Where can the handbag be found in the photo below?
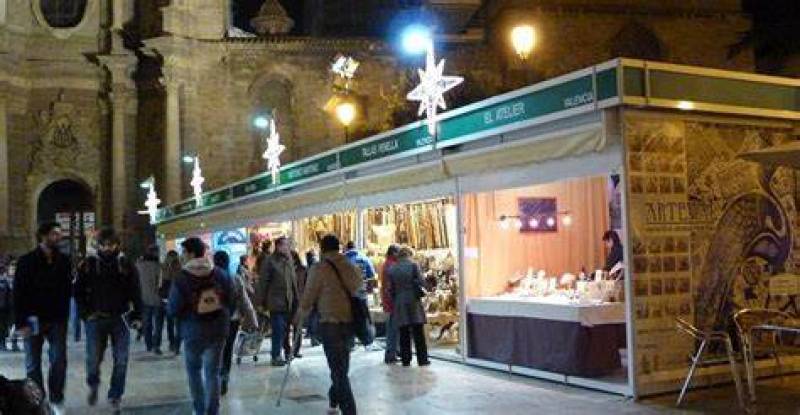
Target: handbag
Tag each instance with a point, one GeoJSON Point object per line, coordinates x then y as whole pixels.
{"type": "Point", "coordinates": [362, 322]}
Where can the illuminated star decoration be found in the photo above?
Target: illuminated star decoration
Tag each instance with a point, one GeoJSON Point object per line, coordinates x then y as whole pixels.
{"type": "Point", "coordinates": [431, 89]}
{"type": "Point", "coordinates": [345, 66]}
{"type": "Point", "coordinates": [273, 152]}
{"type": "Point", "coordinates": [152, 202]}
{"type": "Point", "coordinates": [197, 182]}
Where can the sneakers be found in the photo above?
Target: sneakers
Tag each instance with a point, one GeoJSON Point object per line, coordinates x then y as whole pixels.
{"type": "Point", "coordinates": [116, 405]}
{"type": "Point", "coordinates": [278, 362]}
{"type": "Point", "coordinates": [424, 363]}
{"type": "Point", "coordinates": [92, 398]}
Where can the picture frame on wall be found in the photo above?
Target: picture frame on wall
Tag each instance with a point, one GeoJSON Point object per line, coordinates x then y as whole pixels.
{"type": "Point", "coordinates": [538, 214]}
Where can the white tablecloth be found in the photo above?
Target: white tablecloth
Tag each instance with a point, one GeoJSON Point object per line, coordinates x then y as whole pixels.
{"type": "Point", "coordinates": [557, 309]}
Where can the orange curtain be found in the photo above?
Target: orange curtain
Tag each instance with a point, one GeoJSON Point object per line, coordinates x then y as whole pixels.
{"type": "Point", "coordinates": [494, 255]}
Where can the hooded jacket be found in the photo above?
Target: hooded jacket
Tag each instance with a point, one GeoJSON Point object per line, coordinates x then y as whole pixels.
{"type": "Point", "coordinates": [109, 285]}
{"type": "Point", "coordinates": [193, 326]}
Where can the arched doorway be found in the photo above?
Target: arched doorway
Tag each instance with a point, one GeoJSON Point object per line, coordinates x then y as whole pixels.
{"type": "Point", "coordinates": [71, 204]}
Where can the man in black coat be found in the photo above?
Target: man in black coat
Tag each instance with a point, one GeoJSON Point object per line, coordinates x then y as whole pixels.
{"type": "Point", "coordinates": [107, 291]}
{"type": "Point", "coordinates": [42, 291]}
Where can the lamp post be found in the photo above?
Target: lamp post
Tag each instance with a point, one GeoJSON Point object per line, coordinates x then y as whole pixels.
{"type": "Point", "coordinates": [523, 39]}
{"type": "Point", "coordinates": [346, 114]}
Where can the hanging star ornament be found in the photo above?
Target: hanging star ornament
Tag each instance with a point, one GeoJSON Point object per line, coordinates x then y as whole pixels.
{"type": "Point", "coordinates": [431, 89]}
{"type": "Point", "coordinates": [197, 182]}
{"type": "Point", "coordinates": [273, 152]}
{"type": "Point", "coordinates": [152, 203]}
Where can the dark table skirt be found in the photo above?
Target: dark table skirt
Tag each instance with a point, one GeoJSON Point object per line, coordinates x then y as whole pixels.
{"type": "Point", "coordinates": [554, 346]}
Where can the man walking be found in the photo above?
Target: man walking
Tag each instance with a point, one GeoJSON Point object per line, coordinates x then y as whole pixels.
{"type": "Point", "coordinates": [150, 280]}
{"type": "Point", "coordinates": [106, 290]}
{"type": "Point", "coordinates": [331, 284]}
{"type": "Point", "coordinates": [7, 306]}
{"type": "Point", "coordinates": [202, 298]}
{"type": "Point", "coordinates": [277, 294]}
{"type": "Point", "coordinates": [43, 284]}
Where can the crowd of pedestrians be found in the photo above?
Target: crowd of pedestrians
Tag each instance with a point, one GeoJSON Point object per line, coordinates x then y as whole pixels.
{"type": "Point", "coordinates": [207, 308]}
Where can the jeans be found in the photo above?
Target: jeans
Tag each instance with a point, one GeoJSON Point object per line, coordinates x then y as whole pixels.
{"type": "Point", "coordinates": [419, 343]}
{"type": "Point", "coordinates": [75, 320]}
{"type": "Point", "coordinates": [56, 336]}
{"type": "Point", "coordinates": [153, 325]}
{"type": "Point", "coordinates": [173, 330]}
{"type": "Point", "coordinates": [312, 324]}
{"type": "Point", "coordinates": [98, 332]}
{"type": "Point", "coordinates": [336, 338]}
{"type": "Point", "coordinates": [203, 357]}
{"type": "Point", "coordinates": [280, 328]}
{"type": "Point", "coordinates": [227, 353]}
{"type": "Point", "coordinates": [391, 339]}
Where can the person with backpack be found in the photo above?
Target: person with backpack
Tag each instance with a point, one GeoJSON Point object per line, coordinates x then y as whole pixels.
{"type": "Point", "coordinates": [331, 284]}
{"type": "Point", "coordinates": [42, 291]}
{"type": "Point", "coordinates": [277, 293]}
{"type": "Point", "coordinates": [107, 292]}
{"type": "Point", "coordinates": [202, 299]}
{"type": "Point", "coordinates": [150, 280]}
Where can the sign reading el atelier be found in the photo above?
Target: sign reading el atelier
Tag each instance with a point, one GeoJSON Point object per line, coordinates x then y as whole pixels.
{"type": "Point", "coordinates": [504, 113]}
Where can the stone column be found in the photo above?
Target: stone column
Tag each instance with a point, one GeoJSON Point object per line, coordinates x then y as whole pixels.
{"type": "Point", "coordinates": [172, 140]}
{"type": "Point", "coordinates": [123, 131]}
{"type": "Point", "coordinates": [4, 185]}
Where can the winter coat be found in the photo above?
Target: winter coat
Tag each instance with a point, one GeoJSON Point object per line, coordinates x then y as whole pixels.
{"type": "Point", "coordinates": [108, 285]}
{"type": "Point", "coordinates": [194, 326]}
{"type": "Point", "coordinates": [277, 285]}
{"type": "Point", "coordinates": [149, 280]}
{"type": "Point", "coordinates": [41, 288]}
{"type": "Point", "coordinates": [330, 295]}
{"type": "Point", "coordinates": [362, 262]}
{"type": "Point", "coordinates": [404, 279]}
{"type": "Point", "coordinates": [386, 298]}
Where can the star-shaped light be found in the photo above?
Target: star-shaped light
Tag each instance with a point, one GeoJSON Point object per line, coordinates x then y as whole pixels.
{"type": "Point", "coordinates": [197, 182]}
{"type": "Point", "coordinates": [152, 201]}
{"type": "Point", "coordinates": [345, 66]}
{"type": "Point", "coordinates": [273, 152]}
{"type": "Point", "coordinates": [431, 89]}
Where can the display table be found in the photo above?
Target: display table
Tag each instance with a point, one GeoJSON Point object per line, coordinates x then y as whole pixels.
{"type": "Point", "coordinates": [547, 334]}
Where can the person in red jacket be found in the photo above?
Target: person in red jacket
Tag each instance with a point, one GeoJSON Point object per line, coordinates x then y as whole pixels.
{"type": "Point", "coordinates": [390, 356]}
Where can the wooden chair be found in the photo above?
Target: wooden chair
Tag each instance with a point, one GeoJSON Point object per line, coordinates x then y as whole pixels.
{"type": "Point", "coordinates": [706, 337]}
{"type": "Point", "coordinates": [745, 320]}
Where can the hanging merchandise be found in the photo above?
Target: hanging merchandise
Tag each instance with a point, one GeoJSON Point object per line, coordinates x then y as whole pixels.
{"type": "Point", "coordinates": [431, 89]}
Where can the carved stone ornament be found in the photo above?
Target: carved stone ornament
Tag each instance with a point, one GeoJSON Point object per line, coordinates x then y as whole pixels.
{"type": "Point", "coordinates": [59, 143]}
{"type": "Point", "coordinates": [272, 19]}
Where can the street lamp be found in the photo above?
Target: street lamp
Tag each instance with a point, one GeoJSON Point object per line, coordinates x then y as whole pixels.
{"type": "Point", "coordinates": [346, 113]}
{"type": "Point", "coordinates": [416, 39]}
{"type": "Point", "coordinates": [523, 38]}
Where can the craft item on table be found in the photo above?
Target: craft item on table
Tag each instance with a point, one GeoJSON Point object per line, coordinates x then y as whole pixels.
{"type": "Point", "coordinates": [567, 280]}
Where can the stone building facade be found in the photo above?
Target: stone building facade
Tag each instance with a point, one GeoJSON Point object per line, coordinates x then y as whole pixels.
{"type": "Point", "coordinates": [110, 92]}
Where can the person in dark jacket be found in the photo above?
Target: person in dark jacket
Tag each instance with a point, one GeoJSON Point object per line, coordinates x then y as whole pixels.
{"type": "Point", "coordinates": [169, 273]}
{"type": "Point", "coordinates": [390, 355]}
{"type": "Point", "coordinates": [277, 293]}
{"type": "Point", "coordinates": [405, 281]}
{"type": "Point", "coordinates": [42, 290]}
{"type": "Point", "coordinates": [107, 291]}
{"type": "Point", "coordinates": [615, 251]}
{"type": "Point", "coordinates": [300, 272]}
{"type": "Point", "coordinates": [202, 300]}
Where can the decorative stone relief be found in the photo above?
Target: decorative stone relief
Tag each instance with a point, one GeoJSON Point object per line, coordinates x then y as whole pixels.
{"type": "Point", "coordinates": [62, 142]}
{"type": "Point", "coordinates": [272, 19]}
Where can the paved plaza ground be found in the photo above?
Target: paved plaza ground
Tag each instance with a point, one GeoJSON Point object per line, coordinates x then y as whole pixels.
{"type": "Point", "coordinates": [157, 385]}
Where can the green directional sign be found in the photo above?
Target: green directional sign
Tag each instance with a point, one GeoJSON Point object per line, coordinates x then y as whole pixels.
{"type": "Point", "coordinates": [309, 169]}
{"type": "Point", "coordinates": [217, 197]}
{"type": "Point", "coordinates": [251, 186]}
{"type": "Point", "coordinates": [550, 100]}
{"type": "Point", "coordinates": [390, 145]}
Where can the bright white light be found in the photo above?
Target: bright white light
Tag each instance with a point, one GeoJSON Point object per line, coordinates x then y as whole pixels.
{"type": "Point", "coordinates": [273, 152]}
{"type": "Point", "coordinates": [685, 105]}
{"type": "Point", "coordinates": [433, 84]}
{"type": "Point", "coordinates": [416, 39]}
{"type": "Point", "coordinates": [188, 159]}
{"type": "Point", "coordinates": [551, 221]}
{"type": "Point", "coordinates": [517, 223]}
{"type": "Point", "coordinates": [346, 113]}
{"type": "Point", "coordinates": [197, 182]}
{"type": "Point", "coordinates": [504, 224]}
{"type": "Point", "coordinates": [567, 220]}
{"type": "Point", "coordinates": [523, 38]}
{"type": "Point", "coordinates": [261, 122]}
{"type": "Point", "coordinates": [533, 223]}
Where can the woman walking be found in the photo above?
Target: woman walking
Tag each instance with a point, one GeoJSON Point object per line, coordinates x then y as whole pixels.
{"type": "Point", "coordinates": [405, 289]}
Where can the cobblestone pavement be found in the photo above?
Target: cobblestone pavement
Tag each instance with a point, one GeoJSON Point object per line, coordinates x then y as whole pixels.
{"type": "Point", "coordinates": [157, 385]}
